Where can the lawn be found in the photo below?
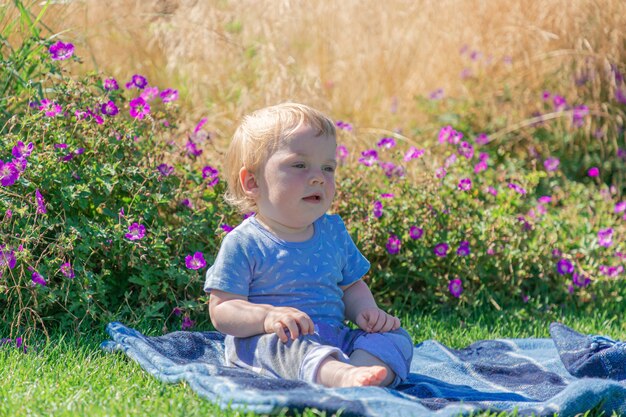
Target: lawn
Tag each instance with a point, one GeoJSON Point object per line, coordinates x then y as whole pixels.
{"type": "Point", "coordinates": [70, 375]}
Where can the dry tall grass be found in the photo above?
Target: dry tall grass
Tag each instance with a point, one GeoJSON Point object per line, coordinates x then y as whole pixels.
{"type": "Point", "coordinates": [362, 61]}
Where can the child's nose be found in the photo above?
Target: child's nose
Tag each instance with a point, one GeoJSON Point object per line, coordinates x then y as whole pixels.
{"type": "Point", "coordinates": [317, 177]}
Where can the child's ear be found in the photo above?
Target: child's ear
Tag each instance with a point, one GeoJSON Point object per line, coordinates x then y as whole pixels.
{"type": "Point", "coordinates": [248, 183]}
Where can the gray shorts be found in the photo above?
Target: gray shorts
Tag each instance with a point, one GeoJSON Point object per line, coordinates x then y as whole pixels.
{"type": "Point", "coordinates": [301, 358]}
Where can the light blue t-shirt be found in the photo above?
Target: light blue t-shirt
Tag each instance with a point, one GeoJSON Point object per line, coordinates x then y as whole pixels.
{"type": "Point", "coordinates": [305, 275]}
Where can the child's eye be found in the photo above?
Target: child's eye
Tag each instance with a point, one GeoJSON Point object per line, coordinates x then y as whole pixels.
{"type": "Point", "coordinates": [298, 165]}
{"type": "Point", "coordinates": [329, 169]}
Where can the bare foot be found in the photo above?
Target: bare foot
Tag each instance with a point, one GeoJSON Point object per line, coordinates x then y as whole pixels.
{"type": "Point", "coordinates": [363, 376]}
{"type": "Point", "coordinates": [334, 373]}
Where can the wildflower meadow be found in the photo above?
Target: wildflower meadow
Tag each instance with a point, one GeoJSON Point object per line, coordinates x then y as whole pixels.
{"type": "Point", "coordinates": [111, 202]}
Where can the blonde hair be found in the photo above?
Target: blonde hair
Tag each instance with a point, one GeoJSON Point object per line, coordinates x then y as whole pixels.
{"type": "Point", "coordinates": [258, 136]}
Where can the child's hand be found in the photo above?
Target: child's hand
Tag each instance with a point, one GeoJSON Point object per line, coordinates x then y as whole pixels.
{"type": "Point", "coordinates": [280, 319]}
{"type": "Point", "coordinates": [374, 320]}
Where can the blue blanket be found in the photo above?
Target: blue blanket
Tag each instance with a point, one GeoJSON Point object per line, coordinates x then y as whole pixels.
{"type": "Point", "coordinates": [568, 374]}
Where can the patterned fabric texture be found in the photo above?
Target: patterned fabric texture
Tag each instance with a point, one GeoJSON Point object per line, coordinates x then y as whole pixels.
{"type": "Point", "coordinates": [531, 376]}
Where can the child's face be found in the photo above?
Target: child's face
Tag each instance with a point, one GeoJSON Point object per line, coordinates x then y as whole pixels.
{"type": "Point", "coordinates": [297, 184]}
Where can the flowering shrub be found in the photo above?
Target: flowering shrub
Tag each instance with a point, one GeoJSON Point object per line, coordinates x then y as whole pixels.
{"type": "Point", "coordinates": [456, 224]}
{"type": "Point", "coordinates": [103, 215]}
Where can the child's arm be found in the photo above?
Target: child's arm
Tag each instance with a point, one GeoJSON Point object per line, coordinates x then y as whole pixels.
{"type": "Point", "coordinates": [362, 310]}
{"type": "Point", "coordinates": [234, 315]}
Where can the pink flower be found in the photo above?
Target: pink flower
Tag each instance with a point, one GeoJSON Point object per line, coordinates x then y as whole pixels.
{"type": "Point", "coordinates": [378, 209]}
{"type": "Point", "coordinates": [441, 249]}
{"type": "Point", "coordinates": [341, 153]}
{"type": "Point", "coordinates": [38, 279]}
{"type": "Point", "coordinates": [413, 153]}
{"type": "Point", "coordinates": [187, 323]}
{"type": "Point", "coordinates": [41, 204]}
{"type": "Point", "coordinates": [136, 231]}
{"type": "Point", "coordinates": [465, 184]}
{"type": "Point", "coordinates": [9, 173]}
{"type": "Point", "coordinates": [168, 95]}
{"type": "Point", "coordinates": [67, 270]}
{"type": "Point", "coordinates": [593, 172]}
{"type": "Point", "coordinates": [50, 108]}
{"type": "Point", "coordinates": [455, 286]}
{"type": "Point", "coordinates": [393, 245]}
{"type": "Point", "coordinates": [60, 51]}
{"type": "Point", "coordinates": [605, 237]}
{"type": "Point", "coordinates": [195, 261]}
{"type": "Point", "coordinates": [139, 108]}
{"type": "Point", "coordinates": [416, 232]}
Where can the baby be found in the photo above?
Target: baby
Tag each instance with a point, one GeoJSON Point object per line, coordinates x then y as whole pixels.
{"type": "Point", "coordinates": [286, 279]}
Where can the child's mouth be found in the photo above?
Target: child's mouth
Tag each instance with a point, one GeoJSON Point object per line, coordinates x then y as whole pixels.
{"type": "Point", "coordinates": [313, 199]}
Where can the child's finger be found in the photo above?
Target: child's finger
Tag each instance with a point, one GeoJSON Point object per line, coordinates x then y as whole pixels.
{"type": "Point", "coordinates": [292, 326]}
{"type": "Point", "coordinates": [280, 332]}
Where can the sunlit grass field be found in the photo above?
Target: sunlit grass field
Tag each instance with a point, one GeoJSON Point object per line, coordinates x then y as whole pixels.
{"type": "Point", "coordinates": [71, 376]}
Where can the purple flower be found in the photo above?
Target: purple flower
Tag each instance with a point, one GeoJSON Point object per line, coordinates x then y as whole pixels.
{"type": "Point", "coordinates": [593, 172]}
{"type": "Point", "coordinates": [369, 157]}
{"type": "Point", "coordinates": [109, 108]}
{"type": "Point", "coordinates": [177, 311]}
{"type": "Point", "coordinates": [201, 123]}
{"type": "Point", "coordinates": [580, 280]}
{"type": "Point", "coordinates": [212, 174]}
{"type": "Point", "coordinates": [110, 84]}
{"type": "Point", "coordinates": [187, 323]}
{"type": "Point", "coordinates": [437, 94]}
{"type": "Point", "coordinates": [138, 81]}
{"type": "Point", "coordinates": [545, 95]}
{"type": "Point", "coordinates": [466, 150]}
{"type": "Point", "coordinates": [578, 115]}
{"type": "Point", "coordinates": [50, 108]}
{"type": "Point", "coordinates": [386, 143]}
{"type": "Point", "coordinates": [416, 232]}
{"type": "Point", "coordinates": [482, 139]}
{"type": "Point", "coordinates": [605, 237]}
{"type": "Point", "coordinates": [67, 270]}
{"type": "Point", "coordinates": [620, 207]}
{"type": "Point", "coordinates": [387, 195]}
{"type": "Point", "coordinates": [441, 249]}
{"type": "Point", "coordinates": [517, 188]}
{"type": "Point", "coordinates": [455, 286]}
{"type": "Point", "coordinates": [226, 227]}
{"type": "Point", "coordinates": [450, 160]}
{"type": "Point", "coordinates": [464, 249]}
{"type": "Point", "coordinates": [378, 209]}
{"type": "Point", "coordinates": [187, 203]}
{"type": "Point", "coordinates": [136, 231]}
{"type": "Point", "coordinates": [440, 172]}
{"type": "Point", "coordinates": [195, 261]}
{"type": "Point", "coordinates": [344, 125]}
{"type": "Point", "coordinates": [7, 257]}
{"type": "Point", "coordinates": [492, 191]}
{"type": "Point", "coordinates": [168, 95]}
{"type": "Point", "coordinates": [480, 167]}
{"type": "Point", "coordinates": [449, 135]}
{"type": "Point", "coordinates": [465, 184]}
{"type": "Point", "coordinates": [551, 164]}
{"type": "Point", "coordinates": [41, 204]}
{"type": "Point", "coordinates": [413, 153]}
{"type": "Point", "coordinates": [38, 279]}
{"type": "Point", "coordinates": [393, 245]}
{"type": "Point", "coordinates": [149, 93]}
{"type": "Point", "coordinates": [9, 173]}
{"type": "Point", "coordinates": [165, 169]}
{"type": "Point", "coordinates": [559, 103]}
{"type": "Point", "coordinates": [192, 149]}
{"type": "Point", "coordinates": [60, 51]}
{"type": "Point", "coordinates": [139, 108]}
{"type": "Point", "coordinates": [544, 199]}
{"type": "Point", "coordinates": [341, 153]}
{"type": "Point", "coordinates": [22, 151]}
{"type": "Point", "coordinates": [564, 266]}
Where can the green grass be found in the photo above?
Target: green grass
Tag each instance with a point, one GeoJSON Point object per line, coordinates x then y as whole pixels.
{"type": "Point", "coordinates": [71, 376]}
